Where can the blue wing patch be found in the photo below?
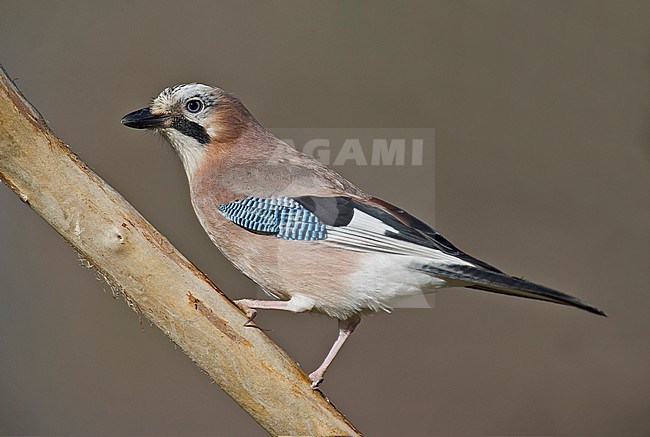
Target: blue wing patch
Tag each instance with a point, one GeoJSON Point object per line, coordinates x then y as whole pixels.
{"type": "Point", "coordinates": [281, 216]}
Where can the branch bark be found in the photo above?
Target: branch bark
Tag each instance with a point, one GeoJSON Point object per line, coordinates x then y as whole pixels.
{"type": "Point", "coordinates": [154, 277]}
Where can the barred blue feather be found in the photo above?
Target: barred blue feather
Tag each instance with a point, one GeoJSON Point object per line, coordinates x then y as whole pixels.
{"type": "Point", "coordinates": [280, 216]}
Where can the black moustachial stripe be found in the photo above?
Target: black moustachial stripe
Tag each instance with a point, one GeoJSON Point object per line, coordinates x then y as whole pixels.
{"type": "Point", "coordinates": [191, 129]}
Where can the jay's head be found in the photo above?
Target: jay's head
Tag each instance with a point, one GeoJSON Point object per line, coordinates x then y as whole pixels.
{"type": "Point", "coordinates": [193, 117]}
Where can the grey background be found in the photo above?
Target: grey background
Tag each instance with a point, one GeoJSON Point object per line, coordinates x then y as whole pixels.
{"type": "Point", "coordinates": [542, 168]}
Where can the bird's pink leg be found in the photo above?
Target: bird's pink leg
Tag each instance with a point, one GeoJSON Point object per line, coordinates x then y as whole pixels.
{"type": "Point", "coordinates": [249, 306]}
{"type": "Point", "coordinates": [346, 327]}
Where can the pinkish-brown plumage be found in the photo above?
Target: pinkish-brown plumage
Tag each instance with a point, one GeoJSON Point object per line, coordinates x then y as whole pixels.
{"type": "Point", "coordinates": [302, 232]}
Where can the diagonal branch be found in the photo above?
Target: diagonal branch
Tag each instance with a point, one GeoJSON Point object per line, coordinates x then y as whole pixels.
{"type": "Point", "coordinates": [154, 277]}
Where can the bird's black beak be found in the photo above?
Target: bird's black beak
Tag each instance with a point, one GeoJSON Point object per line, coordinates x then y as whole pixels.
{"type": "Point", "coordinates": [144, 119]}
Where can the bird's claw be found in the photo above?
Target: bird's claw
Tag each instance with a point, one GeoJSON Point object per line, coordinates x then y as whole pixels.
{"type": "Point", "coordinates": [248, 311]}
{"type": "Point", "coordinates": [316, 379]}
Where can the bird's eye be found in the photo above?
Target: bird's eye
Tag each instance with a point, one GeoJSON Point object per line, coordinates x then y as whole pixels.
{"type": "Point", "coordinates": [194, 106]}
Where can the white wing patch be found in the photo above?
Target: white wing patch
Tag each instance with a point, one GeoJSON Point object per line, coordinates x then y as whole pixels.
{"type": "Point", "coordinates": [366, 233]}
{"type": "Point", "coordinates": [361, 220]}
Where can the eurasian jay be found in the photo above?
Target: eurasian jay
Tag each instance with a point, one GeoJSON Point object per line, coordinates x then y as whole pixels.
{"type": "Point", "coordinates": [309, 238]}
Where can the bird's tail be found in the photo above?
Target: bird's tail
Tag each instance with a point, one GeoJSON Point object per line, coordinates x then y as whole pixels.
{"type": "Point", "coordinates": [496, 282]}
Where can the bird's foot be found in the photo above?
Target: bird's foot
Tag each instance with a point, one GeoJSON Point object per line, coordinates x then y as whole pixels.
{"type": "Point", "coordinates": [316, 379]}
{"type": "Point", "coordinates": [248, 311]}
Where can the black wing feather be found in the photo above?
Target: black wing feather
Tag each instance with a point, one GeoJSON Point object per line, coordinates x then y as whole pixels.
{"type": "Point", "coordinates": [339, 210]}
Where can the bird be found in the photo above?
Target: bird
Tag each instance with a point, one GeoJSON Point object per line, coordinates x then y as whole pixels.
{"type": "Point", "coordinates": [312, 240]}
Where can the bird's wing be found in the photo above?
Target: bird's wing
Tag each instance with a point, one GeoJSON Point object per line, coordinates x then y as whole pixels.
{"type": "Point", "coordinates": [376, 225]}
{"type": "Point", "coordinates": [372, 225]}
{"type": "Point", "coordinates": [368, 225]}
